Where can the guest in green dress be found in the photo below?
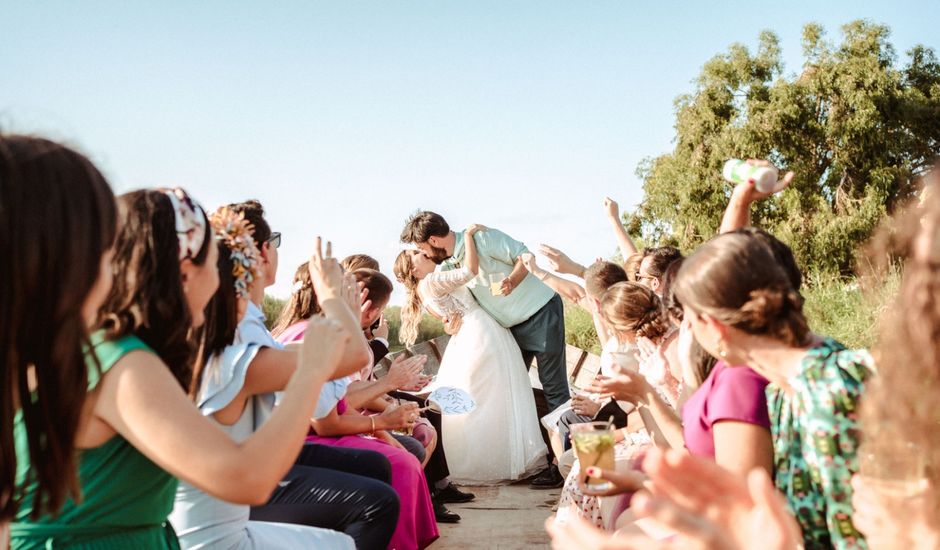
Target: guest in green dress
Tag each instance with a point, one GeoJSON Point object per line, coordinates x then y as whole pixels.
{"type": "Point", "coordinates": [745, 311]}
{"type": "Point", "coordinates": [97, 429]}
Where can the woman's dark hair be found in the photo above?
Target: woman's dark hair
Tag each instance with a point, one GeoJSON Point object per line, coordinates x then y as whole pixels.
{"type": "Point", "coordinates": [302, 303]}
{"type": "Point", "coordinates": [379, 286]}
{"type": "Point", "coordinates": [57, 220]}
{"type": "Point", "coordinates": [254, 214]}
{"type": "Point", "coordinates": [735, 278]}
{"type": "Point", "coordinates": [634, 308]}
{"type": "Point", "coordinates": [424, 225]}
{"type": "Point", "coordinates": [147, 298]}
{"type": "Point", "coordinates": [671, 304]}
{"type": "Point", "coordinates": [660, 259]}
{"type": "Point", "coordinates": [782, 254]}
{"type": "Point", "coordinates": [218, 331]}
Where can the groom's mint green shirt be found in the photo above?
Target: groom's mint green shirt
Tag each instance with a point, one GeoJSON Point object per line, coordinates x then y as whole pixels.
{"type": "Point", "coordinates": [498, 253]}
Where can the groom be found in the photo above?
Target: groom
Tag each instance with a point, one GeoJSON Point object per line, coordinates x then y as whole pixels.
{"type": "Point", "coordinates": [533, 312]}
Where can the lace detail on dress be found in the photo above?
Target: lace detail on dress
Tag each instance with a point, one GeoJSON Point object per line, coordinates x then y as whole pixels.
{"type": "Point", "coordinates": [445, 292]}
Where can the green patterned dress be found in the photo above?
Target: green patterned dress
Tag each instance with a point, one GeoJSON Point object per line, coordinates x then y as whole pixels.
{"type": "Point", "coordinates": [816, 437]}
{"type": "Point", "coordinates": [127, 498]}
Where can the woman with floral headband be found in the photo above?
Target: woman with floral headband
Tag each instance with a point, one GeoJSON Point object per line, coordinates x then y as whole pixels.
{"type": "Point", "coordinates": [224, 387]}
{"type": "Point", "coordinates": [98, 426]}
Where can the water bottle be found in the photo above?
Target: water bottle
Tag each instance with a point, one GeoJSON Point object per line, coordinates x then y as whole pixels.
{"type": "Point", "coordinates": [764, 178]}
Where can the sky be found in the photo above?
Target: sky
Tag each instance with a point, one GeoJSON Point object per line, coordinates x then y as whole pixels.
{"type": "Point", "coordinates": [345, 117]}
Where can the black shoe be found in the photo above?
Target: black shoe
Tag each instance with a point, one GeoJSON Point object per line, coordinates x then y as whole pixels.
{"type": "Point", "coordinates": [452, 495]}
{"type": "Point", "coordinates": [550, 478]}
{"type": "Point", "coordinates": [443, 515]}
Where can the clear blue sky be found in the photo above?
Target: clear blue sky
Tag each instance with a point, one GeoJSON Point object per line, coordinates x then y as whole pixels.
{"type": "Point", "coordinates": [344, 117]}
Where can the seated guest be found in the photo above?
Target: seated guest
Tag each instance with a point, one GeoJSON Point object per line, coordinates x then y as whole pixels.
{"type": "Point", "coordinates": [743, 308]}
{"type": "Point", "coordinates": [234, 386]}
{"type": "Point", "coordinates": [342, 426]}
{"type": "Point", "coordinates": [653, 266]}
{"type": "Point", "coordinates": [631, 311]}
{"type": "Point", "coordinates": [102, 426]}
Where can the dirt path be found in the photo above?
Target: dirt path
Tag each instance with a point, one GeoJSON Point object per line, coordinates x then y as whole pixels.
{"type": "Point", "coordinates": [500, 518]}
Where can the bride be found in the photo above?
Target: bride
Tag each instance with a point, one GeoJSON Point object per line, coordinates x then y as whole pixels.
{"type": "Point", "coordinates": [500, 440]}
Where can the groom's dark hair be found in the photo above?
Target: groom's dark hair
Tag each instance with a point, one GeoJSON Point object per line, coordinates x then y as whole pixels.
{"type": "Point", "coordinates": [424, 225]}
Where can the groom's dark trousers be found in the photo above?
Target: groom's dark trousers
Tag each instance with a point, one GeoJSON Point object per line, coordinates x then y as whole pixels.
{"type": "Point", "coordinates": [542, 337]}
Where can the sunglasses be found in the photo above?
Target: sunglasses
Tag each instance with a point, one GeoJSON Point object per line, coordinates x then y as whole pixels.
{"type": "Point", "coordinates": [275, 240]}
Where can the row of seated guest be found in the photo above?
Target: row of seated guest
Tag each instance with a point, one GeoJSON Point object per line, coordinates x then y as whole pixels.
{"type": "Point", "coordinates": [737, 297]}
{"type": "Point", "coordinates": [179, 399]}
{"type": "Point", "coordinates": [103, 426]}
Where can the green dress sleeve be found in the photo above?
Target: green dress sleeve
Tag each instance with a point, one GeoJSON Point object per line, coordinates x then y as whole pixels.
{"type": "Point", "coordinates": [831, 440]}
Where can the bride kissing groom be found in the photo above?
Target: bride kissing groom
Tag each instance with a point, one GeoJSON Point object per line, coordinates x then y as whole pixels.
{"type": "Point", "coordinates": [509, 317]}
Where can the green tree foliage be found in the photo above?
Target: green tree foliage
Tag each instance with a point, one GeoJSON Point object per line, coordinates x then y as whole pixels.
{"type": "Point", "coordinates": [856, 126]}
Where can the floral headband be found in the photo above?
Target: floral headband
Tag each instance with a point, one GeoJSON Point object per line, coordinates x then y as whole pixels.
{"type": "Point", "coordinates": [190, 223]}
{"type": "Point", "coordinates": [233, 230]}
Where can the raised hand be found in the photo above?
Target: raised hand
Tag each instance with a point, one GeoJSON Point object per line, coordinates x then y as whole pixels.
{"type": "Point", "coordinates": [560, 262]}
{"type": "Point", "coordinates": [323, 345]}
{"type": "Point", "coordinates": [382, 330]}
{"type": "Point", "coordinates": [611, 208]}
{"type": "Point", "coordinates": [749, 193]}
{"type": "Point", "coordinates": [625, 386]}
{"type": "Point", "coordinates": [326, 275]}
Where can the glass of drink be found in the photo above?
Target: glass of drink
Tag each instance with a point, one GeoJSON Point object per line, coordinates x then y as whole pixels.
{"type": "Point", "coordinates": [496, 283]}
{"type": "Point", "coordinates": [594, 443]}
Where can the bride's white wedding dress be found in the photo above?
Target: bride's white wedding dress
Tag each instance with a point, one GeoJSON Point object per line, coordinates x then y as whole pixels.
{"type": "Point", "coordinates": [500, 440]}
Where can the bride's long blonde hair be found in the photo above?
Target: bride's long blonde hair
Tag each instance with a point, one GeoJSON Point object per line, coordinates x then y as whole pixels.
{"type": "Point", "coordinates": [411, 311]}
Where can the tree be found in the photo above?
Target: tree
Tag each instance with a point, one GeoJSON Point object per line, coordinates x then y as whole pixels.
{"type": "Point", "coordinates": [856, 128]}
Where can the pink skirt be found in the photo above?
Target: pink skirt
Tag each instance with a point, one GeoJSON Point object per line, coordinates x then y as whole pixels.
{"type": "Point", "coordinates": [417, 527]}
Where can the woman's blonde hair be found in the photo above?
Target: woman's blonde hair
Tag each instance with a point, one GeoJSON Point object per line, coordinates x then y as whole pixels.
{"type": "Point", "coordinates": [902, 403]}
{"type": "Point", "coordinates": [635, 309]}
{"type": "Point", "coordinates": [411, 312]}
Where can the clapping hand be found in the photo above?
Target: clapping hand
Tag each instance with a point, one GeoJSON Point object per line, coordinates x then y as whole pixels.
{"type": "Point", "coordinates": [405, 371]}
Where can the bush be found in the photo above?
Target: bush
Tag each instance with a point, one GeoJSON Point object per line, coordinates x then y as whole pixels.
{"type": "Point", "coordinates": [429, 329]}
{"type": "Point", "coordinates": [272, 308]}
{"type": "Point", "coordinates": [838, 307]}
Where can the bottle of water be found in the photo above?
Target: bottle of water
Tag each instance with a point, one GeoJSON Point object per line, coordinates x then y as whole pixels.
{"type": "Point", "coordinates": [764, 178]}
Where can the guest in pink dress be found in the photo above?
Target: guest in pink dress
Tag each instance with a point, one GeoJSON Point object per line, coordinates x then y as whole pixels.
{"type": "Point", "coordinates": [416, 527]}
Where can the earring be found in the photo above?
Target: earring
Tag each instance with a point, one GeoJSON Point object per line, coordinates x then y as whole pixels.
{"type": "Point", "coordinates": [721, 350]}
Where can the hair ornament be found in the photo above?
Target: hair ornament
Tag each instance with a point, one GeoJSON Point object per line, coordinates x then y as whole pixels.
{"type": "Point", "coordinates": [190, 221]}
{"type": "Point", "coordinates": [236, 233]}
